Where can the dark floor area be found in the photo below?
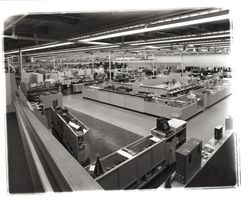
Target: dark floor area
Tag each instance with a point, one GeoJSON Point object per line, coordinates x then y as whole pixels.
{"type": "Point", "coordinates": [104, 138]}
{"type": "Point", "coordinates": [18, 171]}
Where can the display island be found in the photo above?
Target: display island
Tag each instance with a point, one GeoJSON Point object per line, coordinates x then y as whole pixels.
{"type": "Point", "coordinates": [182, 106]}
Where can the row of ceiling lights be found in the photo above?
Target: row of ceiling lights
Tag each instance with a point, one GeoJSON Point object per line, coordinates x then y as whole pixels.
{"type": "Point", "coordinates": [144, 27]}
{"type": "Point", "coordinates": [149, 43]}
{"type": "Point", "coordinates": [147, 48]}
{"type": "Point", "coordinates": [102, 45]}
{"type": "Point", "coordinates": [138, 49]}
{"type": "Point", "coordinates": [178, 51]}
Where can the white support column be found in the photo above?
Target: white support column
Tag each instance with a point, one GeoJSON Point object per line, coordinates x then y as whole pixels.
{"type": "Point", "coordinates": [60, 64]}
{"type": "Point", "coordinates": [123, 61]}
{"type": "Point", "coordinates": [109, 66]}
{"type": "Point", "coordinates": [181, 64]}
{"type": "Point", "coordinates": [153, 56]}
{"type": "Point", "coordinates": [21, 63]}
{"type": "Point", "coordinates": [92, 61]}
{"type": "Point", "coordinates": [54, 62]}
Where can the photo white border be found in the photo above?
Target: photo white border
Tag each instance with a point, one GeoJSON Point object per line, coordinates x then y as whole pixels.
{"type": "Point", "coordinates": [240, 108]}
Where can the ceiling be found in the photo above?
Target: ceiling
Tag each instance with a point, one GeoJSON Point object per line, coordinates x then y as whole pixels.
{"type": "Point", "coordinates": [36, 30]}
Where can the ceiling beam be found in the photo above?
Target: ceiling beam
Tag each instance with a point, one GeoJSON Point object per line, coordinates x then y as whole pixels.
{"type": "Point", "coordinates": [83, 19]}
{"type": "Point", "coordinates": [29, 29]}
{"type": "Point", "coordinates": [52, 19]}
{"type": "Point", "coordinates": [14, 23]}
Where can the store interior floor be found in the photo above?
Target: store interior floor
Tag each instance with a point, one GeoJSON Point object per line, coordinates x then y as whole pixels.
{"type": "Point", "coordinates": [200, 126]}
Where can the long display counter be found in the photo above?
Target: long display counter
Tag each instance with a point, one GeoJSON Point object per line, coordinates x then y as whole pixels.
{"type": "Point", "coordinates": [138, 103]}
{"type": "Point", "coordinates": [178, 107]}
{"type": "Point", "coordinates": [217, 95]}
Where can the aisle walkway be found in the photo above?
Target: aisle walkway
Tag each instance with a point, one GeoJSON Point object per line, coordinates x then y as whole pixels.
{"type": "Point", "coordinates": [200, 126]}
{"type": "Point", "coordinates": [104, 138]}
{"type": "Point", "coordinates": [132, 121]}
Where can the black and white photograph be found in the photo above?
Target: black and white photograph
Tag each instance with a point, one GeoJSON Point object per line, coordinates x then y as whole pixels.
{"type": "Point", "coordinates": [133, 100]}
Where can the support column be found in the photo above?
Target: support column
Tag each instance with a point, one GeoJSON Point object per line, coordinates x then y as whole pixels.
{"type": "Point", "coordinates": [181, 64]}
{"type": "Point", "coordinates": [153, 56]}
{"type": "Point", "coordinates": [21, 64]}
{"type": "Point", "coordinates": [123, 61]}
{"type": "Point", "coordinates": [109, 66]}
{"type": "Point", "coordinates": [8, 64]}
{"type": "Point", "coordinates": [60, 64]}
{"type": "Point", "coordinates": [54, 62]}
{"type": "Point", "coordinates": [92, 62]}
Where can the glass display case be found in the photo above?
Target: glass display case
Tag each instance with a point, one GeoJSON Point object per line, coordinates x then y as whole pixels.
{"type": "Point", "coordinates": [120, 88]}
{"type": "Point", "coordinates": [179, 102]}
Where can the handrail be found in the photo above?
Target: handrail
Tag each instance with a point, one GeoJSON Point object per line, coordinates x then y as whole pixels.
{"type": "Point", "coordinates": [43, 177]}
{"type": "Point", "coordinates": [56, 167]}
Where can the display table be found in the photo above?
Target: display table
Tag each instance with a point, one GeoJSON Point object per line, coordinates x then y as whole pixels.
{"type": "Point", "coordinates": [218, 95]}
{"type": "Point", "coordinates": [77, 87]}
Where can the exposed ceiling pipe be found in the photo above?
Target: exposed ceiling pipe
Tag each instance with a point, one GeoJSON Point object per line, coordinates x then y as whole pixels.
{"type": "Point", "coordinates": [15, 37]}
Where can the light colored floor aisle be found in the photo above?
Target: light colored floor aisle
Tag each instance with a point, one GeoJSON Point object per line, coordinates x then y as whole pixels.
{"type": "Point", "coordinates": [200, 126]}
{"type": "Point", "coordinates": [132, 121]}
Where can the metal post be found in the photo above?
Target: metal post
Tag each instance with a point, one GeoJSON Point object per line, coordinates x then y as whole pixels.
{"type": "Point", "coordinates": [181, 64]}
{"type": "Point", "coordinates": [54, 62]}
{"type": "Point", "coordinates": [92, 60]}
{"type": "Point", "coordinates": [60, 63]}
{"type": "Point", "coordinates": [153, 63]}
{"type": "Point", "coordinates": [8, 64]}
{"type": "Point", "coordinates": [21, 63]}
{"type": "Point", "coordinates": [123, 61]}
{"type": "Point", "coordinates": [110, 66]}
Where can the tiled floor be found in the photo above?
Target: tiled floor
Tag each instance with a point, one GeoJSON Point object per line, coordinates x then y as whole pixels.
{"type": "Point", "coordinates": [200, 126]}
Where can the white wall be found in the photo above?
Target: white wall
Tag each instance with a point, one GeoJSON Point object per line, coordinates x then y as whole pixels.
{"type": "Point", "coordinates": [223, 60]}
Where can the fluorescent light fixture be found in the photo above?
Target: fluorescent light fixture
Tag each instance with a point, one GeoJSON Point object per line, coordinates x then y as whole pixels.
{"type": "Point", "coordinates": [72, 50]}
{"type": "Point", "coordinates": [104, 47]}
{"type": "Point", "coordinates": [164, 46]}
{"type": "Point", "coordinates": [181, 39]}
{"type": "Point", "coordinates": [151, 47]}
{"type": "Point", "coordinates": [209, 43]}
{"type": "Point", "coordinates": [96, 43]}
{"type": "Point", "coordinates": [48, 46]}
{"type": "Point", "coordinates": [11, 52]}
{"type": "Point", "coordinates": [218, 45]}
{"type": "Point", "coordinates": [56, 45]}
{"type": "Point", "coordinates": [157, 28]}
{"type": "Point", "coordinates": [177, 37]}
{"type": "Point", "coordinates": [199, 13]}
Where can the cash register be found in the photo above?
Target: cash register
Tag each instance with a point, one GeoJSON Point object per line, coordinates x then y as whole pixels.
{"type": "Point", "coordinates": [162, 128]}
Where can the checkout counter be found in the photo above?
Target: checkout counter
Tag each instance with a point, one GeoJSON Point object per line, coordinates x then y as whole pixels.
{"type": "Point", "coordinates": [217, 166]}
{"type": "Point", "coordinates": [136, 164]}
